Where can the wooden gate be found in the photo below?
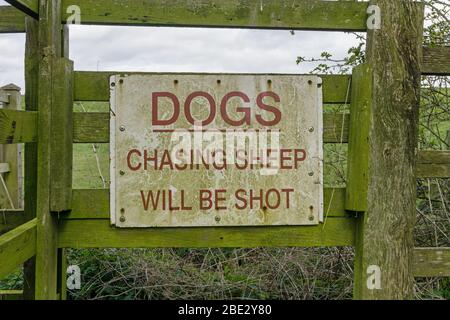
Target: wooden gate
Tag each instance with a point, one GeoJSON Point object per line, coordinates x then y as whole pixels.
{"type": "Point", "coordinates": [375, 213]}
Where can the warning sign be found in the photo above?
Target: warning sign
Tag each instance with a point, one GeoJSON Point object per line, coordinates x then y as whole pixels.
{"type": "Point", "coordinates": [191, 150]}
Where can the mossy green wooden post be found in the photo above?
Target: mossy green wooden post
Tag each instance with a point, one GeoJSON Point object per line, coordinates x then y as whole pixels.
{"type": "Point", "coordinates": [389, 138]}
{"type": "Point", "coordinates": [31, 101]}
{"type": "Point", "coordinates": [63, 129]}
{"type": "Point", "coordinates": [53, 97]}
{"type": "Point", "coordinates": [46, 250]}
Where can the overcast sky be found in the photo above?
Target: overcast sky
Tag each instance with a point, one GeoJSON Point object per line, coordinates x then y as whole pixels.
{"type": "Point", "coordinates": [181, 50]}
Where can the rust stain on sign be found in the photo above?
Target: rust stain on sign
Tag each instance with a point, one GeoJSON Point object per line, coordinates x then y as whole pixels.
{"type": "Point", "coordinates": [191, 150]}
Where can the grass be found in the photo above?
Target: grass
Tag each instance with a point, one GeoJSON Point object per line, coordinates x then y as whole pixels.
{"type": "Point", "coordinates": [91, 161]}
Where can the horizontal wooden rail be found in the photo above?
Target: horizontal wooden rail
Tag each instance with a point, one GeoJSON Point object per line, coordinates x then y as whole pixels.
{"type": "Point", "coordinates": [94, 86]}
{"type": "Point", "coordinates": [433, 164]}
{"type": "Point", "coordinates": [94, 127]}
{"type": "Point", "coordinates": [16, 247]}
{"type": "Point", "coordinates": [17, 126]}
{"type": "Point", "coordinates": [91, 212]}
{"type": "Point", "coordinates": [337, 232]}
{"type": "Point", "coordinates": [11, 219]}
{"type": "Point", "coordinates": [11, 295]}
{"type": "Point", "coordinates": [254, 14]}
{"type": "Point", "coordinates": [436, 61]}
{"type": "Point", "coordinates": [11, 20]}
{"type": "Point", "coordinates": [94, 204]}
{"type": "Point", "coordinates": [267, 14]}
{"type": "Point", "coordinates": [91, 127]}
{"type": "Point", "coordinates": [432, 262]}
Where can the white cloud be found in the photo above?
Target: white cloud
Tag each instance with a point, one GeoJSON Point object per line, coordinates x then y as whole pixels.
{"type": "Point", "coordinates": [200, 50]}
{"type": "Point", "coordinates": [182, 50]}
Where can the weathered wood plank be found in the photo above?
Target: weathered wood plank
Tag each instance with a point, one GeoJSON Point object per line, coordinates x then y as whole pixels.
{"type": "Point", "coordinates": [94, 204]}
{"type": "Point", "coordinates": [31, 101]}
{"type": "Point", "coordinates": [432, 262]}
{"type": "Point", "coordinates": [385, 240]}
{"type": "Point", "coordinates": [16, 247]}
{"type": "Point", "coordinates": [94, 127]}
{"type": "Point", "coordinates": [91, 86]}
{"type": "Point", "coordinates": [49, 53]}
{"type": "Point", "coordinates": [268, 14]}
{"type": "Point", "coordinates": [29, 7]}
{"type": "Point", "coordinates": [436, 61]}
{"type": "Point", "coordinates": [358, 150]}
{"type": "Point", "coordinates": [433, 171]}
{"type": "Point", "coordinates": [433, 164]}
{"type": "Point", "coordinates": [11, 20]}
{"type": "Point", "coordinates": [89, 204]}
{"type": "Point", "coordinates": [11, 295]}
{"type": "Point", "coordinates": [11, 219]}
{"type": "Point", "coordinates": [99, 234]}
{"type": "Point", "coordinates": [17, 126]}
{"type": "Point", "coordinates": [68, 134]}
{"type": "Point", "coordinates": [62, 137]}
{"type": "Point", "coordinates": [336, 89]}
{"type": "Point", "coordinates": [94, 86]}
{"type": "Point", "coordinates": [91, 127]}
{"type": "Point", "coordinates": [434, 157]}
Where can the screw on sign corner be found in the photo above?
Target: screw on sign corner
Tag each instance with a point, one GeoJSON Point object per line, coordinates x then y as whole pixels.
{"type": "Point", "coordinates": [122, 217]}
{"type": "Point", "coordinates": [311, 217]}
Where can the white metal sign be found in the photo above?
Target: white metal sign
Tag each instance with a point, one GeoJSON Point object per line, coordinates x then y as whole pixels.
{"type": "Point", "coordinates": [191, 150]}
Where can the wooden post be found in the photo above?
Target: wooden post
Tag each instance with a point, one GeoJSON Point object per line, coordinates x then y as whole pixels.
{"type": "Point", "coordinates": [11, 158]}
{"type": "Point", "coordinates": [358, 146]}
{"type": "Point", "coordinates": [62, 130]}
{"type": "Point", "coordinates": [55, 105]}
{"type": "Point", "coordinates": [47, 227]}
{"type": "Point", "coordinates": [62, 200]}
{"type": "Point", "coordinates": [31, 164]}
{"type": "Point", "coordinates": [384, 250]}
